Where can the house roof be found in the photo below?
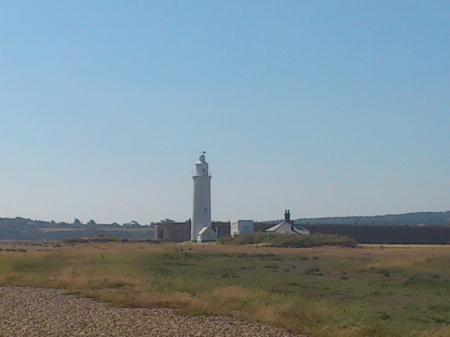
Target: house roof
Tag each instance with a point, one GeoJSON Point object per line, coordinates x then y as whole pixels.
{"type": "Point", "coordinates": [204, 230]}
{"type": "Point", "coordinates": [287, 228]}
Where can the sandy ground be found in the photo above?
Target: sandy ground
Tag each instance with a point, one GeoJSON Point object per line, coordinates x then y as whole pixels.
{"type": "Point", "coordinates": [28, 312]}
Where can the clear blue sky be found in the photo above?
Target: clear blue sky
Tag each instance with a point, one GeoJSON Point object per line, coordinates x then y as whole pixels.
{"type": "Point", "coordinates": [328, 108]}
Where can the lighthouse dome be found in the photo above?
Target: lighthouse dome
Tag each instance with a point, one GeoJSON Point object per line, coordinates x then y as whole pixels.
{"type": "Point", "coordinates": [201, 159]}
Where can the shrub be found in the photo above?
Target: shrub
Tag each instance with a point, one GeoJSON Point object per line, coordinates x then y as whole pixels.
{"type": "Point", "coordinates": [76, 240]}
{"type": "Point", "coordinates": [289, 240]}
{"type": "Point", "coordinates": [98, 239]}
{"type": "Point", "coordinates": [312, 271]}
{"type": "Point", "coordinates": [102, 238]}
{"type": "Point", "coordinates": [225, 240]}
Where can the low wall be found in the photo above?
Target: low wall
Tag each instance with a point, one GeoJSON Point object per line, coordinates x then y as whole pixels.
{"type": "Point", "coordinates": [387, 234]}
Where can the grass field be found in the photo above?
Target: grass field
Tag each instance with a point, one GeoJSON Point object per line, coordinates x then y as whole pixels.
{"type": "Point", "coordinates": [327, 291]}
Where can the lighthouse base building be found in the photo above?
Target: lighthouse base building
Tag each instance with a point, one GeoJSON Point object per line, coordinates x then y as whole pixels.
{"type": "Point", "coordinates": [207, 234]}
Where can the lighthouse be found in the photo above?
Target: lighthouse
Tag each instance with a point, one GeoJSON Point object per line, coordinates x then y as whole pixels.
{"type": "Point", "coordinates": [201, 214]}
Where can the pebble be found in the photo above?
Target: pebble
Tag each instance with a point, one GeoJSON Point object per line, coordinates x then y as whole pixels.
{"type": "Point", "coordinates": [32, 312]}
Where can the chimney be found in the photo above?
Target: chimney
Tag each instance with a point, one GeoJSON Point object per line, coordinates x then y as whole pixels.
{"type": "Point", "coordinates": [287, 216]}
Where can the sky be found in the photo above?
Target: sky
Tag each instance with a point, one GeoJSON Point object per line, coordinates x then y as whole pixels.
{"type": "Point", "coordinates": [326, 108]}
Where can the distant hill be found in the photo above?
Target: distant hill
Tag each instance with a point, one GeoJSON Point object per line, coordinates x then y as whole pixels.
{"type": "Point", "coordinates": [412, 219]}
{"type": "Point", "coordinates": [27, 229]}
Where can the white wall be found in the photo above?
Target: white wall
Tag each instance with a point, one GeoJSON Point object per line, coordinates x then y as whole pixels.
{"type": "Point", "coordinates": [241, 226]}
{"type": "Point", "coordinates": [207, 235]}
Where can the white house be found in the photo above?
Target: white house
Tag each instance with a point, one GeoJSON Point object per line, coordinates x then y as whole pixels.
{"type": "Point", "coordinates": [240, 227]}
{"type": "Point", "coordinates": [288, 227]}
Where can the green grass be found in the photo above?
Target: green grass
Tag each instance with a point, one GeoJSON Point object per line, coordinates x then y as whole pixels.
{"type": "Point", "coordinates": [326, 291]}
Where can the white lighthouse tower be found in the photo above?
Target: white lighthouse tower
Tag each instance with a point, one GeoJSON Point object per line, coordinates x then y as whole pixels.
{"type": "Point", "coordinates": [201, 216]}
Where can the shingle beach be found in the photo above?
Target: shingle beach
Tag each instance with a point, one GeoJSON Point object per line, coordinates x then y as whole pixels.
{"type": "Point", "coordinates": [29, 312]}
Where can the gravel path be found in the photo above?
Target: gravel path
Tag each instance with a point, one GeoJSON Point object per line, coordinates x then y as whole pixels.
{"type": "Point", "coordinates": [28, 312]}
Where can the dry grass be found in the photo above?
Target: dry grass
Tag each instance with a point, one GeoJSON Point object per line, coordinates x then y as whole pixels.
{"type": "Point", "coordinates": [441, 332]}
{"type": "Point", "coordinates": [368, 291]}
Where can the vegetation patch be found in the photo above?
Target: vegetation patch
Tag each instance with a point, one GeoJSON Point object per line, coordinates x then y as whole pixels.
{"type": "Point", "coordinates": [97, 239]}
{"type": "Point", "coordinates": [289, 240]}
{"type": "Point", "coordinates": [320, 291]}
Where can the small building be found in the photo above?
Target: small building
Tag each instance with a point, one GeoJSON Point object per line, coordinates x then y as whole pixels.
{"type": "Point", "coordinates": [288, 227]}
{"type": "Point", "coordinates": [207, 234]}
{"type": "Point", "coordinates": [240, 227]}
{"type": "Point", "coordinates": [172, 231]}
{"type": "Point", "coordinates": [222, 228]}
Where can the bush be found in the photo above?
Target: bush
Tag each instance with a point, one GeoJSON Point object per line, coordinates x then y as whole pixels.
{"type": "Point", "coordinates": [289, 240]}
{"type": "Point", "coordinates": [102, 238]}
{"type": "Point", "coordinates": [98, 239]}
{"type": "Point", "coordinates": [76, 240]}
